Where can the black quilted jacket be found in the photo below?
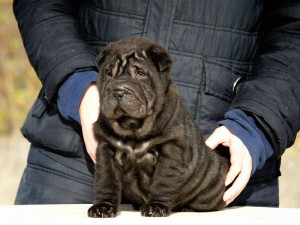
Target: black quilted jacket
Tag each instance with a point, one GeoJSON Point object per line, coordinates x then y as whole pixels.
{"type": "Point", "coordinates": [227, 54]}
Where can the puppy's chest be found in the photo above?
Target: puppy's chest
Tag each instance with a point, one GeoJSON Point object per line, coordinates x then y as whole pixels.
{"type": "Point", "coordinates": [135, 156]}
{"type": "Point", "coordinates": [136, 164]}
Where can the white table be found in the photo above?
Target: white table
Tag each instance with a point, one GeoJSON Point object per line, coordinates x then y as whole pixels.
{"type": "Point", "coordinates": [77, 214]}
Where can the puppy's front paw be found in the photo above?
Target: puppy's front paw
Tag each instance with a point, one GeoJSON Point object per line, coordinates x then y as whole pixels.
{"type": "Point", "coordinates": [102, 211]}
{"type": "Point", "coordinates": [155, 210]}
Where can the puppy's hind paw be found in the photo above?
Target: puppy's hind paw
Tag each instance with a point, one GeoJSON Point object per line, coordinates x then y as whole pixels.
{"type": "Point", "coordinates": [102, 211]}
{"type": "Point", "coordinates": [155, 210]}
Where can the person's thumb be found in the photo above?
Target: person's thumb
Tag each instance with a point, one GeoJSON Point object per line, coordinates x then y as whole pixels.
{"type": "Point", "coordinates": [216, 138]}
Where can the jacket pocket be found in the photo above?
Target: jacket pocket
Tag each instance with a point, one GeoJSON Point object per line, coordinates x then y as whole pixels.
{"type": "Point", "coordinates": [46, 128]}
{"type": "Point", "coordinates": [221, 80]}
{"type": "Point", "coordinates": [219, 88]}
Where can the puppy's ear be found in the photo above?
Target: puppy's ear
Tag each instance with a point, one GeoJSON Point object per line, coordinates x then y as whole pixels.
{"type": "Point", "coordinates": [161, 59]}
{"type": "Point", "coordinates": [100, 58]}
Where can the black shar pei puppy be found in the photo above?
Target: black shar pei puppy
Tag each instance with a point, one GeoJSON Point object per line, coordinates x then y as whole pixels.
{"type": "Point", "coordinates": [150, 150]}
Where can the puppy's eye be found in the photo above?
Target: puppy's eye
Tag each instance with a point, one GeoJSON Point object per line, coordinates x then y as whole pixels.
{"type": "Point", "coordinates": [108, 75]}
{"type": "Point", "coordinates": [140, 73]}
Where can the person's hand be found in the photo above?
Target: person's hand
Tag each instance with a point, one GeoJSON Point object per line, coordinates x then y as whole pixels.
{"type": "Point", "coordinates": [89, 111]}
{"type": "Point", "coordinates": [241, 162]}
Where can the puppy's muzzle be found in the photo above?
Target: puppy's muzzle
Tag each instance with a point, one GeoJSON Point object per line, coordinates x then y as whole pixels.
{"type": "Point", "coordinates": [118, 94]}
{"type": "Point", "coordinates": [119, 91]}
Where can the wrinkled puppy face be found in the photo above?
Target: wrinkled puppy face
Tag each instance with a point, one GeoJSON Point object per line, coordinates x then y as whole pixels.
{"type": "Point", "coordinates": [133, 79]}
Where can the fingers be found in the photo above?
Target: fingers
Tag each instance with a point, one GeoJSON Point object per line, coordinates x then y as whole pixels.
{"type": "Point", "coordinates": [239, 184]}
{"type": "Point", "coordinates": [89, 110]}
{"type": "Point", "coordinates": [217, 137]}
{"type": "Point", "coordinates": [240, 159]}
{"type": "Point", "coordinates": [239, 172]}
{"type": "Point", "coordinates": [237, 152]}
{"type": "Point", "coordinates": [233, 172]}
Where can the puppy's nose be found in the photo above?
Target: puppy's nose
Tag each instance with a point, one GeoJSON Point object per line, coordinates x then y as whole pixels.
{"type": "Point", "coordinates": [118, 94]}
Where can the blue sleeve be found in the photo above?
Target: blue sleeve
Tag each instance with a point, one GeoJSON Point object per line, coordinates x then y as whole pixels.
{"type": "Point", "coordinates": [71, 92]}
{"type": "Point", "coordinates": [245, 128]}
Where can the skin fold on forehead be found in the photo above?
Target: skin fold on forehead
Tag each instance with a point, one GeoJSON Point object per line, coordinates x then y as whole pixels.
{"type": "Point", "coordinates": [123, 60]}
{"type": "Point", "coordinates": [138, 55]}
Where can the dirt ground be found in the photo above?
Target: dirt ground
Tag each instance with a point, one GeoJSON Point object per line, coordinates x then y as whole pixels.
{"type": "Point", "coordinates": [13, 154]}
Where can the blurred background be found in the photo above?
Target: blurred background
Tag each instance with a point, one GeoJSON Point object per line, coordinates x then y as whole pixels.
{"type": "Point", "coordinates": [19, 87]}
